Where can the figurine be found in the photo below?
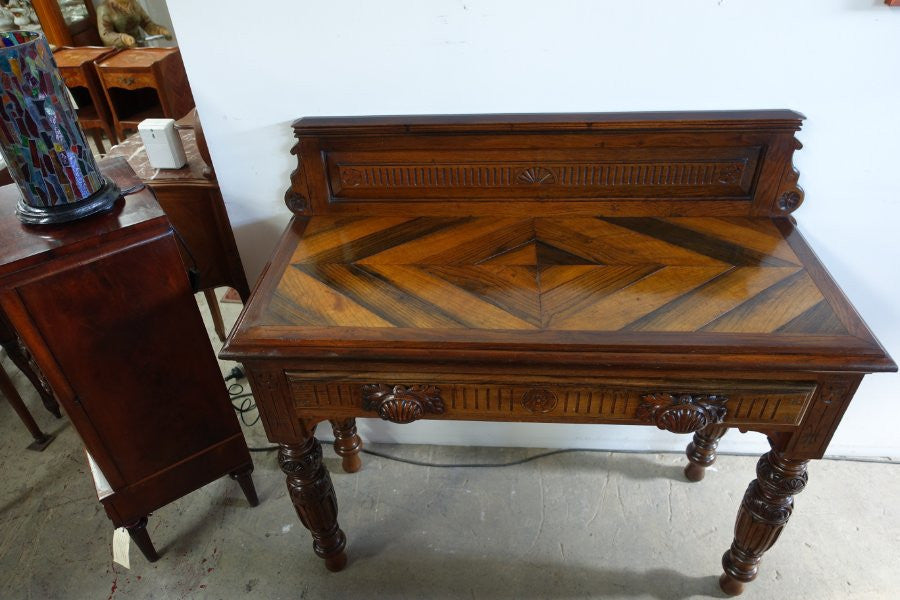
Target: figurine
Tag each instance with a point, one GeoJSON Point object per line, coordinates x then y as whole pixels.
{"type": "Point", "coordinates": [120, 23]}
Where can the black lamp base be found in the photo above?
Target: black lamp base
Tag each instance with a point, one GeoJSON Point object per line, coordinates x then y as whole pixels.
{"type": "Point", "coordinates": [101, 201]}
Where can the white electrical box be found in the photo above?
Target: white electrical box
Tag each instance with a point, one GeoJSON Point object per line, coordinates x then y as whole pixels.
{"type": "Point", "coordinates": [162, 143]}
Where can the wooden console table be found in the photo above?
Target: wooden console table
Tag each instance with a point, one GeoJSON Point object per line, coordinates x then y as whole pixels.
{"type": "Point", "coordinates": [602, 268]}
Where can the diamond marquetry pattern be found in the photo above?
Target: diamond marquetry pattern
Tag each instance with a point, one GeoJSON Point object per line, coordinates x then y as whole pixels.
{"type": "Point", "coordinates": [733, 275]}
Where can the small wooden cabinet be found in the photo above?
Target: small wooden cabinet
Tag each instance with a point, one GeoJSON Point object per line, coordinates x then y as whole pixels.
{"type": "Point", "coordinates": [145, 83]}
{"type": "Point", "coordinates": [103, 310]}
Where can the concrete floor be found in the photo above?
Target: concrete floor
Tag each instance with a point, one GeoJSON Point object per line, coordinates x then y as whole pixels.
{"type": "Point", "coordinates": [583, 525]}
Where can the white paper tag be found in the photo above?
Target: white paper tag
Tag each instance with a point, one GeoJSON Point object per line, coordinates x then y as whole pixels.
{"type": "Point", "coordinates": [121, 544]}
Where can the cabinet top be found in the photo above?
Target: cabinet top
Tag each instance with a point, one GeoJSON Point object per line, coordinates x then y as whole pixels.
{"type": "Point", "coordinates": [23, 246]}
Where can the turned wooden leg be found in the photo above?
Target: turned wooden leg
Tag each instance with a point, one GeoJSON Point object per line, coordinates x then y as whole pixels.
{"type": "Point", "coordinates": [7, 389]}
{"type": "Point", "coordinates": [216, 313]}
{"type": "Point", "coordinates": [43, 389]}
{"type": "Point", "coordinates": [764, 511]}
{"type": "Point", "coordinates": [702, 451]}
{"type": "Point", "coordinates": [245, 480]}
{"type": "Point", "coordinates": [97, 134]}
{"type": "Point", "coordinates": [141, 539]}
{"type": "Point", "coordinates": [314, 500]}
{"type": "Point", "coordinates": [347, 444]}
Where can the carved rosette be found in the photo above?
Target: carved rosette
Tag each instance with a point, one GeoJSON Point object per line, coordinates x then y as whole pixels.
{"type": "Point", "coordinates": [539, 400]}
{"type": "Point", "coordinates": [731, 174]}
{"type": "Point", "coordinates": [401, 403]}
{"type": "Point", "coordinates": [682, 413]}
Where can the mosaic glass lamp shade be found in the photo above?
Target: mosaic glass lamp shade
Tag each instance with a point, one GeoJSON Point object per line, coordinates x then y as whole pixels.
{"type": "Point", "coordinates": [40, 138]}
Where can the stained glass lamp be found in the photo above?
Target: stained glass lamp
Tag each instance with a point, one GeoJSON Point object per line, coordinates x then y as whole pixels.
{"type": "Point", "coordinates": [40, 138]}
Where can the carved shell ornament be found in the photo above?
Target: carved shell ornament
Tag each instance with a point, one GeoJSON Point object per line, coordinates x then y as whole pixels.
{"type": "Point", "coordinates": [681, 413]}
{"type": "Point", "coordinates": [535, 176]}
{"type": "Point", "coordinates": [400, 403]}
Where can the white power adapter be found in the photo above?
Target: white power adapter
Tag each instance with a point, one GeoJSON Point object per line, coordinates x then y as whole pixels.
{"type": "Point", "coordinates": [162, 143]}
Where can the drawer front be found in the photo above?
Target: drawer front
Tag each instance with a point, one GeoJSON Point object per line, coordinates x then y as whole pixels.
{"type": "Point", "coordinates": [681, 406]}
{"type": "Point", "coordinates": [129, 81]}
{"type": "Point", "coordinates": [73, 77]}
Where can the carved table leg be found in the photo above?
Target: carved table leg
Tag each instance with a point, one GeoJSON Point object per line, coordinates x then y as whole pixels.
{"type": "Point", "coordinates": [314, 500]}
{"type": "Point", "coordinates": [347, 444]}
{"type": "Point", "coordinates": [140, 537]}
{"type": "Point", "coordinates": [702, 451]}
{"type": "Point", "coordinates": [764, 511]}
{"type": "Point", "coordinates": [245, 480]}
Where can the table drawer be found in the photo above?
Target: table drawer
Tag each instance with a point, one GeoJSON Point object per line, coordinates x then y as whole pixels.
{"type": "Point", "coordinates": [680, 406]}
{"type": "Point", "coordinates": [129, 81]}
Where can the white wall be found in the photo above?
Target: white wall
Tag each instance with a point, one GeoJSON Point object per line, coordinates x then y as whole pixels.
{"type": "Point", "coordinates": [837, 61]}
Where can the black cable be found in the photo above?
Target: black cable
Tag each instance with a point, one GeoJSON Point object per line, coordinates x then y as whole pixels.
{"type": "Point", "coordinates": [419, 463]}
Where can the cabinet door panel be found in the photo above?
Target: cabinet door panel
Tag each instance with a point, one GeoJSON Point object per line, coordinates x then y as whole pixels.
{"type": "Point", "coordinates": [120, 314]}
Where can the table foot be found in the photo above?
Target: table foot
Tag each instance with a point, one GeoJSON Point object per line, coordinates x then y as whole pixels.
{"type": "Point", "coordinates": [245, 480]}
{"type": "Point", "coordinates": [40, 443]}
{"type": "Point", "coordinates": [347, 444]}
{"type": "Point", "coordinates": [765, 510]}
{"type": "Point", "coordinates": [312, 494]}
{"type": "Point", "coordinates": [730, 586]}
{"type": "Point", "coordinates": [138, 533]}
{"type": "Point", "coordinates": [702, 451]}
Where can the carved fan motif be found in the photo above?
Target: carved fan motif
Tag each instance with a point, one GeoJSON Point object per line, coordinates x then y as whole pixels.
{"type": "Point", "coordinates": [682, 413]}
{"type": "Point", "coordinates": [539, 400]}
{"type": "Point", "coordinates": [535, 176]}
{"type": "Point", "coordinates": [400, 403]}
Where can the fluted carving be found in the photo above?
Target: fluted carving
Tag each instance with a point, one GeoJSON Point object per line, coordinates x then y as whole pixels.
{"type": "Point", "coordinates": [401, 403]}
{"type": "Point", "coordinates": [312, 494]}
{"type": "Point", "coordinates": [765, 510]}
{"type": "Point", "coordinates": [682, 413]}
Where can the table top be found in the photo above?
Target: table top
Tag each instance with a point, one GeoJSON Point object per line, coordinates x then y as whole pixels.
{"type": "Point", "coordinates": [720, 285]}
{"type": "Point", "coordinates": [132, 149]}
{"type": "Point", "coordinates": [136, 58]}
{"type": "Point", "coordinates": [76, 57]}
{"type": "Point", "coordinates": [22, 245]}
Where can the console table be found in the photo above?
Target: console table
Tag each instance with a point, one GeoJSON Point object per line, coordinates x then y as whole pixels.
{"type": "Point", "coordinates": [596, 268]}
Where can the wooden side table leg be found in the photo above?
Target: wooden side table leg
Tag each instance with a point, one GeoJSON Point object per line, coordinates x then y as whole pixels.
{"type": "Point", "coordinates": [764, 511]}
{"type": "Point", "coordinates": [702, 451]}
{"type": "Point", "coordinates": [347, 444]}
{"type": "Point", "coordinates": [138, 533]}
{"type": "Point", "coordinates": [216, 313]}
{"type": "Point", "coordinates": [97, 135]}
{"type": "Point", "coordinates": [245, 480]}
{"type": "Point", "coordinates": [21, 362]}
{"type": "Point", "coordinates": [314, 500]}
{"type": "Point", "coordinates": [7, 389]}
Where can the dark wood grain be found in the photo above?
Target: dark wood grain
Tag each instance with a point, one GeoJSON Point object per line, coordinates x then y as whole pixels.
{"type": "Point", "coordinates": [621, 269]}
{"type": "Point", "coordinates": [105, 311]}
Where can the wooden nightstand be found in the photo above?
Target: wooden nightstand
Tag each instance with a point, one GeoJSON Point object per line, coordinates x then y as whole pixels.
{"type": "Point", "coordinates": [76, 65]}
{"type": "Point", "coordinates": [104, 310]}
{"type": "Point", "coordinates": [144, 83]}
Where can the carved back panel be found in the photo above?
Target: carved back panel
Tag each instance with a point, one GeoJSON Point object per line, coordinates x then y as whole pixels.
{"type": "Point", "coordinates": [616, 164]}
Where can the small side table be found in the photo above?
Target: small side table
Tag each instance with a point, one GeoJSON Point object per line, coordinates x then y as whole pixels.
{"type": "Point", "coordinates": [76, 65]}
{"type": "Point", "coordinates": [196, 210]}
{"type": "Point", "coordinates": [144, 83]}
